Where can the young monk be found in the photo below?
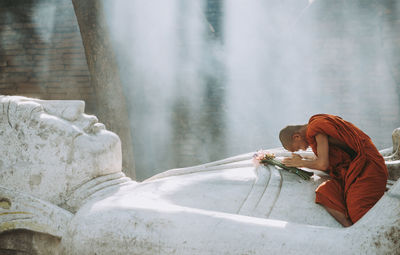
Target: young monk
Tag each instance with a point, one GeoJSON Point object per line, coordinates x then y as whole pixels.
{"type": "Point", "coordinates": [358, 170]}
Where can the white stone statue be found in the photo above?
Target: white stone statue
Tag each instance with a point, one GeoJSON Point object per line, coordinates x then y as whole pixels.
{"type": "Point", "coordinates": [60, 174]}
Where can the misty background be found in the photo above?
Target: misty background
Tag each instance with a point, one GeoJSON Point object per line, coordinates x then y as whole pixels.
{"type": "Point", "coordinates": [209, 79]}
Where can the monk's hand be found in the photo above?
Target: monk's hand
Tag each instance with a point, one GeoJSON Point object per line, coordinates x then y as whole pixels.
{"type": "Point", "coordinates": [295, 161]}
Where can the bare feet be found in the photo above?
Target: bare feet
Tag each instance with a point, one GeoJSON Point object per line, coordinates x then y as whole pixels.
{"type": "Point", "coordinates": [340, 217]}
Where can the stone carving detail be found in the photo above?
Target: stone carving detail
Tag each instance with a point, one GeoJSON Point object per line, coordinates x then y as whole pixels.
{"type": "Point", "coordinates": [22, 211]}
{"type": "Point", "coordinates": [49, 148]}
{"type": "Point", "coordinates": [60, 175]}
{"type": "Point", "coordinates": [392, 156]}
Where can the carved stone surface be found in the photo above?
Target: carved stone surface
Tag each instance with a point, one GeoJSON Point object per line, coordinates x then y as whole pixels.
{"type": "Point", "coordinates": [60, 175]}
{"type": "Point", "coordinates": [50, 148]}
{"type": "Point", "coordinates": [22, 242]}
{"type": "Point", "coordinates": [392, 156]}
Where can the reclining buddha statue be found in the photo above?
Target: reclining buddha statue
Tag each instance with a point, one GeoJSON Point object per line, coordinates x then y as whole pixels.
{"type": "Point", "coordinates": [61, 183]}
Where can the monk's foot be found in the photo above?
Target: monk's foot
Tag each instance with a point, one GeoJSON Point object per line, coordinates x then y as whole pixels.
{"type": "Point", "coordinates": [340, 217]}
{"type": "Point", "coordinates": [346, 223]}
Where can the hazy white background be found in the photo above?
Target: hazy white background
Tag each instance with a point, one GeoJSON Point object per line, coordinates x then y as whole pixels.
{"type": "Point", "coordinates": [195, 96]}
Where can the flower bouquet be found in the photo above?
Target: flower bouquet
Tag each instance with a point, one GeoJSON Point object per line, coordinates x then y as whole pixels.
{"type": "Point", "coordinates": [264, 158]}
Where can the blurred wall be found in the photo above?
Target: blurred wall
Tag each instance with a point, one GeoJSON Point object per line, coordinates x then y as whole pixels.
{"type": "Point", "coordinates": [195, 96]}
{"type": "Point", "coordinates": [41, 52]}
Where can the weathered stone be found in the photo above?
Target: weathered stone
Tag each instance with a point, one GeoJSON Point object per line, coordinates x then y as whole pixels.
{"type": "Point", "coordinates": [60, 175]}
{"type": "Point", "coordinates": [392, 156]}
{"type": "Point", "coordinates": [23, 242]}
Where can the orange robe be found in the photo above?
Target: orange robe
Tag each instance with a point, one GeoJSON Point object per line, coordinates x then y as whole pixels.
{"type": "Point", "coordinates": [358, 180]}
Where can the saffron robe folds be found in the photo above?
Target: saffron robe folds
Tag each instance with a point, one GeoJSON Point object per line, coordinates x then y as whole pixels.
{"type": "Point", "coordinates": [358, 178]}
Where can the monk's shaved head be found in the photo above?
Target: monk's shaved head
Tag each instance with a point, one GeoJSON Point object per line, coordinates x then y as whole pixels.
{"type": "Point", "coordinates": [286, 135]}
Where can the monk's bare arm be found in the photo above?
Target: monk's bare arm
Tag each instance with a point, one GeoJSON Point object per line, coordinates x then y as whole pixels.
{"type": "Point", "coordinates": [321, 162]}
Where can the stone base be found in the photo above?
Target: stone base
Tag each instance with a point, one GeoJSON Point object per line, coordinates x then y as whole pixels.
{"type": "Point", "coordinates": [394, 171]}
{"type": "Point", "coordinates": [18, 242]}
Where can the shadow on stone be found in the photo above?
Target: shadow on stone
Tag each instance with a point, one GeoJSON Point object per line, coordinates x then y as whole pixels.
{"type": "Point", "coordinates": [18, 242]}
